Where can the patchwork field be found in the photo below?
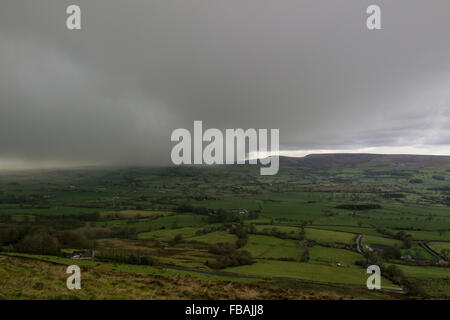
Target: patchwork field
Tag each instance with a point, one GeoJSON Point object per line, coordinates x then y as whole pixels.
{"type": "Point", "coordinates": [272, 248]}
{"type": "Point", "coordinates": [157, 233]}
{"type": "Point", "coordinates": [328, 236]}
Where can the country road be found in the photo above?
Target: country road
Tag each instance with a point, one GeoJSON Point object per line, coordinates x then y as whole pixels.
{"type": "Point", "coordinates": [358, 243]}
{"type": "Point", "coordinates": [403, 289]}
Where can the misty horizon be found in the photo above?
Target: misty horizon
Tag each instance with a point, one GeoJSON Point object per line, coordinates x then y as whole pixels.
{"type": "Point", "coordinates": [15, 165]}
{"type": "Point", "coordinates": [111, 93]}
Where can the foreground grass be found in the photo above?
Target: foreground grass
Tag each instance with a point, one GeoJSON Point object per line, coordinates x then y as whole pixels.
{"type": "Point", "coordinates": [22, 278]}
{"type": "Point", "coordinates": [128, 268]}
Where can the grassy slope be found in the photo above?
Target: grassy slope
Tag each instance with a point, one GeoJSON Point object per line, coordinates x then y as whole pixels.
{"type": "Point", "coordinates": [48, 281]}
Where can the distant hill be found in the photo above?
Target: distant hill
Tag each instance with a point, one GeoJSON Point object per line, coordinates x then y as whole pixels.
{"type": "Point", "coordinates": [351, 159]}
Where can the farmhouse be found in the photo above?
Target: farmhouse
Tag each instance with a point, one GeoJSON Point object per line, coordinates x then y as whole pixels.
{"type": "Point", "coordinates": [81, 255]}
{"type": "Point", "coordinates": [241, 211]}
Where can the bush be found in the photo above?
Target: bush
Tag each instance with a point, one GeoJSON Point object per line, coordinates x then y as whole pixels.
{"type": "Point", "coordinates": [177, 239]}
{"type": "Point", "coordinates": [222, 248]}
{"type": "Point", "coordinates": [305, 255]}
{"type": "Point", "coordinates": [40, 242]}
{"type": "Point", "coordinates": [237, 258]}
{"type": "Point", "coordinates": [229, 256]}
{"type": "Point", "coordinates": [241, 242]}
{"type": "Point", "coordinates": [395, 274]}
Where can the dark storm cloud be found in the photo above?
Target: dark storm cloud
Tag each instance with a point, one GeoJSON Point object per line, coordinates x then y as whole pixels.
{"type": "Point", "coordinates": [114, 91]}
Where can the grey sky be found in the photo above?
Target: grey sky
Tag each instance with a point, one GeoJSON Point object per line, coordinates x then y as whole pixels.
{"type": "Point", "coordinates": [114, 91]}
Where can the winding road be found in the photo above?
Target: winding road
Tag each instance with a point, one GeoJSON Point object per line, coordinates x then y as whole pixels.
{"type": "Point", "coordinates": [358, 243]}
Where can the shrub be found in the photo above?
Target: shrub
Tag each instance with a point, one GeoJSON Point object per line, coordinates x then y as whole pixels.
{"type": "Point", "coordinates": [229, 256]}
{"type": "Point", "coordinates": [305, 255]}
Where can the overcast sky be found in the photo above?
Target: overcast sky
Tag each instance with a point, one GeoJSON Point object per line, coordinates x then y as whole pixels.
{"type": "Point", "coordinates": [114, 91]}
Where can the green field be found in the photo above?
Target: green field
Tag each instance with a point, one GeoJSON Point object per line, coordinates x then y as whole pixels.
{"type": "Point", "coordinates": [307, 271]}
{"type": "Point", "coordinates": [272, 248]}
{"type": "Point", "coordinates": [326, 236]}
{"type": "Point", "coordinates": [333, 256]}
{"type": "Point", "coordinates": [355, 230]}
{"type": "Point", "coordinates": [430, 235]}
{"type": "Point", "coordinates": [168, 235]}
{"type": "Point", "coordinates": [443, 248]}
{"type": "Point", "coordinates": [215, 237]}
{"type": "Point", "coordinates": [425, 272]}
